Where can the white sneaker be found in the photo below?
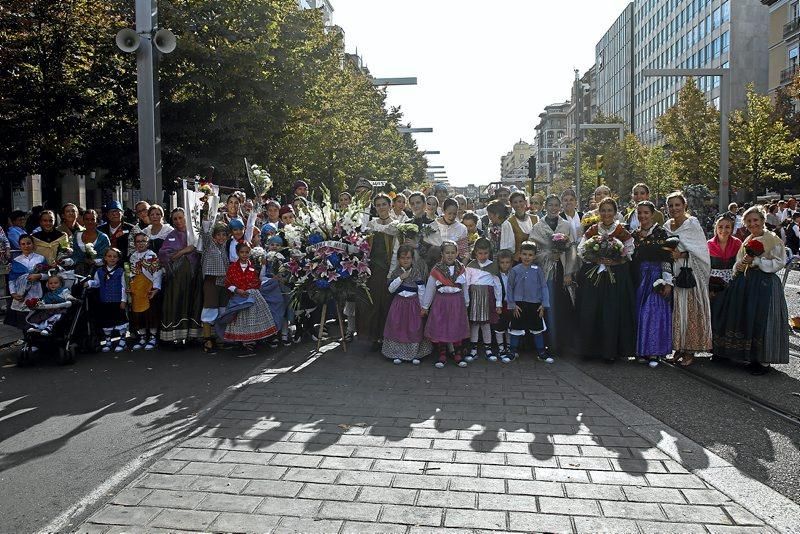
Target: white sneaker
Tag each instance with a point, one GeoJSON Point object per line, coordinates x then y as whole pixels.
{"type": "Point", "coordinates": [492, 358]}
{"type": "Point", "coordinates": [653, 364]}
{"type": "Point", "coordinates": [469, 358]}
{"type": "Point", "coordinates": [44, 332]}
{"type": "Point", "coordinates": [439, 365]}
{"type": "Point", "coordinates": [397, 361]}
{"type": "Point", "coordinates": [462, 364]}
{"type": "Point", "coordinates": [415, 361]}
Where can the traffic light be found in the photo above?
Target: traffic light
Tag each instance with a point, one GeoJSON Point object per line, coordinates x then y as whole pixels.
{"type": "Point", "coordinates": [598, 165]}
{"type": "Point", "coordinates": [532, 167]}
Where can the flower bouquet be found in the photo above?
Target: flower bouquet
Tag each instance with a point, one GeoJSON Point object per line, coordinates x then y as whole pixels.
{"type": "Point", "coordinates": [407, 231]}
{"type": "Point", "coordinates": [589, 220]}
{"type": "Point", "coordinates": [257, 256]}
{"type": "Point", "coordinates": [259, 178]}
{"type": "Point", "coordinates": [560, 243]}
{"type": "Point", "coordinates": [754, 249]}
{"type": "Point", "coordinates": [329, 254]}
{"type": "Point", "coordinates": [601, 248]}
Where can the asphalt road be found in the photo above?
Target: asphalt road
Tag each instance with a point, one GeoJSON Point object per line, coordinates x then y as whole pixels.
{"type": "Point", "coordinates": [65, 430]}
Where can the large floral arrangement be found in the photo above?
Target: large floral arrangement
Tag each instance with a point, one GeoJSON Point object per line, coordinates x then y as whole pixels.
{"type": "Point", "coordinates": [601, 248]}
{"type": "Point", "coordinates": [560, 242]}
{"type": "Point", "coordinates": [329, 253]}
{"type": "Point", "coordinates": [260, 179]}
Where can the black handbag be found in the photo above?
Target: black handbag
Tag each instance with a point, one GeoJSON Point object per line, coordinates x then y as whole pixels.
{"type": "Point", "coordinates": [685, 278]}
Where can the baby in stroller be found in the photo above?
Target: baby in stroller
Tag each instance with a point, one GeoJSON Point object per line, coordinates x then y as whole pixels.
{"type": "Point", "coordinates": [48, 310]}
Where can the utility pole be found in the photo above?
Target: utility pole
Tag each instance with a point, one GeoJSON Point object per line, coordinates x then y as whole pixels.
{"type": "Point", "coordinates": [578, 113]}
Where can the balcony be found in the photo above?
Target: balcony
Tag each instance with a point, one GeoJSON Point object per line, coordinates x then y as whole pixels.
{"type": "Point", "coordinates": [791, 27]}
{"type": "Point", "coordinates": [787, 75]}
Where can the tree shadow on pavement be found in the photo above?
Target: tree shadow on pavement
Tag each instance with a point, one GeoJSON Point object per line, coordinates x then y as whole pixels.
{"type": "Point", "coordinates": [158, 389]}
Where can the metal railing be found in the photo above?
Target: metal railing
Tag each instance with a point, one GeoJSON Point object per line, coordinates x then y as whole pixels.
{"type": "Point", "coordinates": [787, 75]}
{"type": "Point", "coordinates": [791, 27]}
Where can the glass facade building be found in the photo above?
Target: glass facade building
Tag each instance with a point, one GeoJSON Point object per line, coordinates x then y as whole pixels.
{"type": "Point", "coordinates": [614, 69]}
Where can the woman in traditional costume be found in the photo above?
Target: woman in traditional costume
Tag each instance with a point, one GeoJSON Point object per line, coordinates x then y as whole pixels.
{"type": "Point", "coordinates": [89, 245]}
{"type": "Point", "coordinates": [180, 315]}
{"type": "Point", "coordinates": [652, 270]}
{"type": "Point", "coordinates": [691, 314]}
{"type": "Point", "coordinates": [157, 231]}
{"type": "Point", "coordinates": [371, 317]}
{"type": "Point", "coordinates": [557, 259]}
{"type": "Point", "coordinates": [606, 299]}
{"type": "Point", "coordinates": [69, 220]}
{"type": "Point", "coordinates": [404, 336]}
{"type": "Point", "coordinates": [752, 325]}
{"type": "Point", "coordinates": [48, 241]}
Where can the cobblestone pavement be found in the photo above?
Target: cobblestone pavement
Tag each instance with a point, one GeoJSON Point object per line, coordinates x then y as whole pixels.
{"type": "Point", "coordinates": [351, 443]}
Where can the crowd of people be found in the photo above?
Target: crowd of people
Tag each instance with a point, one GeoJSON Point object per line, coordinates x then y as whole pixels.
{"type": "Point", "coordinates": [447, 278]}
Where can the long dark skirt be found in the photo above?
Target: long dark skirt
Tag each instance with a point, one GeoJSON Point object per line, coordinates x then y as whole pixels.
{"type": "Point", "coordinates": [607, 312]}
{"type": "Point", "coordinates": [371, 317]}
{"type": "Point", "coordinates": [560, 315]}
{"type": "Point", "coordinates": [654, 327]}
{"type": "Point", "coordinates": [182, 304]}
{"type": "Point", "coordinates": [752, 322]}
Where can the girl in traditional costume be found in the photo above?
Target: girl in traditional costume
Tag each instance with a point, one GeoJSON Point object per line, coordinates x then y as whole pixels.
{"type": "Point", "coordinates": [722, 248]}
{"type": "Point", "coordinates": [24, 282]}
{"type": "Point", "coordinates": [558, 259]}
{"type": "Point", "coordinates": [145, 285]}
{"type": "Point", "coordinates": [485, 298]}
{"type": "Point", "coordinates": [247, 318]}
{"type": "Point", "coordinates": [445, 304]}
{"type": "Point", "coordinates": [180, 315]}
{"type": "Point", "coordinates": [652, 268]}
{"type": "Point", "coordinates": [606, 309]}
{"type": "Point", "coordinates": [752, 325]}
{"type": "Point", "coordinates": [112, 297]}
{"type": "Point", "coordinates": [404, 336]}
{"type": "Point", "coordinates": [691, 314]}
{"type": "Point", "coordinates": [52, 306]}
{"type": "Point", "coordinates": [447, 228]}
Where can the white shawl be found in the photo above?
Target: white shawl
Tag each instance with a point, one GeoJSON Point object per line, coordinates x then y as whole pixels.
{"type": "Point", "coordinates": [542, 235]}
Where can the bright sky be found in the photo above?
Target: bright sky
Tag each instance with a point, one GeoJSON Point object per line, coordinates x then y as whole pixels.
{"type": "Point", "coordinates": [485, 69]}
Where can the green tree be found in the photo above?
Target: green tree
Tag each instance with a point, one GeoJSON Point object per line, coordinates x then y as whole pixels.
{"type": "Point", "coordinates": [761, 145]}
{"type": "Point", "coordinates": [660, 173]}
{"type": "Point", "coordinates": [691, 128]}
{"type": "Point", "coordinates": [625, 164]}
{"type": "Point", "coordinates": [62, 89]}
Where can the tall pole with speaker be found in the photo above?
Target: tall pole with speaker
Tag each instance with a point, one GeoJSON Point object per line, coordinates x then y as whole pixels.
{"type": "Point", "coordinates": [148, 42]}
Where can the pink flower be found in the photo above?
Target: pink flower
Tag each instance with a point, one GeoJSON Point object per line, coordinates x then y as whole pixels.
{"type": "Point", "coordinates": [349, 266]}
{"type": "Point", "coordinates": [333, 276]}
{"type": "Point", "coordinates": [293, 266]}
{"type": "Point", "coordinates": [363, 267]}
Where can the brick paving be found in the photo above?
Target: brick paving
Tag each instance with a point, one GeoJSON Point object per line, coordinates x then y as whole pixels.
{"type": "Point", "coordinates": [352, 443]}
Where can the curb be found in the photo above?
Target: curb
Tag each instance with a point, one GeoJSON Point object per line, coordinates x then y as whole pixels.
{"type": "Point", "coordinates": [88, 504]}
{"type": "Point", "coordinates": [775, 509]}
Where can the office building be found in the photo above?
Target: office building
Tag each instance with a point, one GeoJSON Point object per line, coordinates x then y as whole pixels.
{"type": "Point", "coordinates": [514, 165]}
{"type": "Point", "coordinates": [613, 74]}
{"type": "Point", "coordinates": [729, 34]}
{"type": "Point", "coordinates": [784, 42]}
{"type": "Point", "coordinates": [324, 5]}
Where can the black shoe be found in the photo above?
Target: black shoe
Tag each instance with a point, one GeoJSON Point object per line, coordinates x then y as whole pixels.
{"type": "Point", "coordinates": [756, 369]}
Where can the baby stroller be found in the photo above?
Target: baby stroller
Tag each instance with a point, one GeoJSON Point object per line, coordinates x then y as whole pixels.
{"type": "Point", "coordinates": [69, 334]}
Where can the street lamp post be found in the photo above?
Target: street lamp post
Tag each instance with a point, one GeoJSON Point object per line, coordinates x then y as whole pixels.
{"type": "Point", "coordinates": [724, 114]}
{"type": "Point", "coordinates": [383, 82]}
{"type": "Point", "coordinates": [408, 130]}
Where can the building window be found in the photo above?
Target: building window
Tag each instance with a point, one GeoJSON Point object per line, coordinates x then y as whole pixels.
{"type": "Point", "coordinates": [794, 52]}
